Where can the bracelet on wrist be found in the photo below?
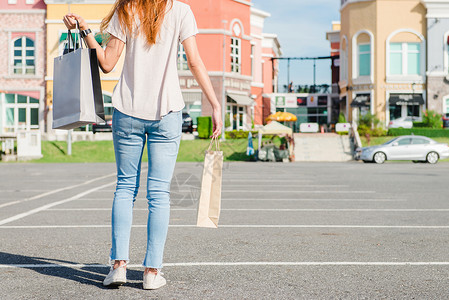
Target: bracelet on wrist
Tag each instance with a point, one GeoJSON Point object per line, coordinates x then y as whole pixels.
{"type": "Point", "coordinates": [84, 33]}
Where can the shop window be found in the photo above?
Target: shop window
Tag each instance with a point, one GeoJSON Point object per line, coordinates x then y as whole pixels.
{"type": "Point", "coordinates": [235, 55]}
{"type": "Point", "coordinates": [405, 58]}
{"type": "Point", "coordinates": [395, 112]}
{"type": "Point", "coordinates": [364, 57]}
{"type": "Point", "coordinates": [23, 58]}
{"type": "Point", "coordinates": [413, 111]}
{"type": "Point", "coordinates": [182, 58]}
{"type": "Point", "coordinates": [22, 112]}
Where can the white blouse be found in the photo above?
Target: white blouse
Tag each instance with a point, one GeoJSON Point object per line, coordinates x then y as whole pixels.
{"type": "Point", "coordinates": [149, 84]}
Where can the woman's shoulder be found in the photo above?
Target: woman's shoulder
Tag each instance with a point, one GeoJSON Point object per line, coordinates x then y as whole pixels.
{"type": "Point", "coordinates": [180, 6]}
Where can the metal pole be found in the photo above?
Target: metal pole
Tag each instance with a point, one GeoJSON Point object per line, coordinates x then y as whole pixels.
{"type": "Point", "coordinates": [223, 86]}
{"type": "Point", "coordinates": [314, 73]}
{"type": "Point", "coordinates": [288, 75]}
{"type": "Point", "coordinates": [69, 142]}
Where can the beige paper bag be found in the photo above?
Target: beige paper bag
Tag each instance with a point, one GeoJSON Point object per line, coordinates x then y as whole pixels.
{"type": "Point", "coordinates": [210, 198]}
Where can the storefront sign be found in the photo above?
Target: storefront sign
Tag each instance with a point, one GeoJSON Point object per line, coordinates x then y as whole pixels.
{"type": "Point", "coordinates": [238, 84]}
{"type": "Point", "coordinates": [361, 100]}
{"type": "Point", "coordinates": [406, 99]}
{"type": "Point", "coordinates": [280, 101]}
{"type": "Point", "coordinates": [312, 101]}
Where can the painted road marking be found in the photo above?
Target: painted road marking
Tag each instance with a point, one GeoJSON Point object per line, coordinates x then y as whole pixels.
{"type": "Point", "coordinates": [279, 209]}
{"type": "Point", "coordinates": [47, 206]}
{"type": "Point", "coordinates": [251, 199]}
{"type": "Point", "coordinates": [239, 226]}
{"type": "Point", "coordinates": [56, 191]}
{"type": "Point", "coordinates": [243, 263]}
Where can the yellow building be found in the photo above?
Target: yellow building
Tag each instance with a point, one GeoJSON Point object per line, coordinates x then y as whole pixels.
{"type": "Point", "coordinates": [383, 58]}
{"type": "Point", "coordinates": [93, 12]}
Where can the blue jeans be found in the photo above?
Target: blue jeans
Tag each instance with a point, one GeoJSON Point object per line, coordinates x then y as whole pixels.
{"type": "Point", "coordinates": [162, 137]}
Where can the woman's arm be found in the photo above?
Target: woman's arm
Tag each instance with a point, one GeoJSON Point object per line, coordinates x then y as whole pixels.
{"type": "Point", "coordinates": [199, 71]}
{"type": "Point", "coordinates": [107, 58]}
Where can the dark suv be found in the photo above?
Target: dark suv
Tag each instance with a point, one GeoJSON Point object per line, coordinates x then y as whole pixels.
{"type": "Point", "coordinates": [187, 123]}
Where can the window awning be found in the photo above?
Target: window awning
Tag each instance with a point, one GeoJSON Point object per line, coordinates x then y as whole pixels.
{"type": "Point", "coordinates": [406, 99]}
{"type": "Point", "coordinates": [240, 99]}
{"type": "Point", "coordinates": [191, 97]}
{"type": "Point", "coordinates": [361, 100]}
{"type": "Point", "coordinates": [63, 37]}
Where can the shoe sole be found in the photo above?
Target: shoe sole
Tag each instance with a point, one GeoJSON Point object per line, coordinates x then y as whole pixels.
{"type": "Point", "coordinates": [153, 287]}
{"type": "Point", "coordinates": [116, 283]}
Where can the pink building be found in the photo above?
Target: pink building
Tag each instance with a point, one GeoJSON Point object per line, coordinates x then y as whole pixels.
{"type": "Point", "coordinates": [22, 65]}
{"type": "Point", "coordinates": [231, 43]}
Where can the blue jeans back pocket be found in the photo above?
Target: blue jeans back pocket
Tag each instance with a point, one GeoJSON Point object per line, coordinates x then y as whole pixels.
{"type": "Point", "coordinates": [171, 125]}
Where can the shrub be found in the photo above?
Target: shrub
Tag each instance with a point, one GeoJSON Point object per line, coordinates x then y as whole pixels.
{"type": "Point", "coordinates": [419, 125]}
{"type": "Point", "coordinates": [432, 119]}
{"type": "Point", "coordinates": [370, 125]}
{"type": "Point", "coordinates": [341, 118]}
{"type": "Point", "coordinates": [239, 134]}
{"type": "Point", "coordinates": [204, 127]}
{"type": "Point", "coordinates": [428, 132]}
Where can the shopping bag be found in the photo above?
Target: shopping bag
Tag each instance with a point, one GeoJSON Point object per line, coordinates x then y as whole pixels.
{"type": "Point", "coordinates": [77, 95]}
{"type": "Point", "coordinates": [210, 198]}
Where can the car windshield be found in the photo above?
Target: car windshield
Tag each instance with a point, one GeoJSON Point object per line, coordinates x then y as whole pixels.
{"type": "Point", "coordinates": [391, 141]}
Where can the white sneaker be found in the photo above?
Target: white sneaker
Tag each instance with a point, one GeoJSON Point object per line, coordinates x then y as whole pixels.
{"type": "Point", "coordinates": [116, 276]}
{"type": "Point", "coordinates": [153, 281]}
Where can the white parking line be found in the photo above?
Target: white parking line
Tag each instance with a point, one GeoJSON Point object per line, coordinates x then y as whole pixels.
{"type": "Point", "coordinates": [242, 263]}
{"type": "Point", "coordinates": [47, 206]}
{"type": "Point", "coordinates": [239, 226]}
{"type": "Point", "coordinates": [277, 199]}
{"type": "Point", "coordinates": [56, 191]}
{"type": "Point", "coordinates": [278, 209]}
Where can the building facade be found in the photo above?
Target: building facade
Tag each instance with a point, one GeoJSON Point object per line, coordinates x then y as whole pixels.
{"type": "Point", "coordinates": [22, 65]}
{"type": "Point", "coordinates": [438, 56]}
{"type": "Point", "coordinates": [333, 37]}
{"type": "Point", "coordinates": [383, 58]}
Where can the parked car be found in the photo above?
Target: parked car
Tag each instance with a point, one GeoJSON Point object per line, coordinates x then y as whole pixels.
{"type": "Point", "coordinates": [404, 122]}
{"type": "Point", "coordinates": [187, 123]}
{"type": "Point", "coordinates": [410, 147]}
{"type": "Point", "coordinates": [102, 127]}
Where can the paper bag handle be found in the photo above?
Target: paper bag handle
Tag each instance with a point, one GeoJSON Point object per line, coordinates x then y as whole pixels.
{"type": "Point", "coordinates": [217, 144]}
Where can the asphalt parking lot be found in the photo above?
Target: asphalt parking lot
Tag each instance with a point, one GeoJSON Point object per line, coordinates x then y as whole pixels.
{"type": "Point", "coordinates": [287, 231]}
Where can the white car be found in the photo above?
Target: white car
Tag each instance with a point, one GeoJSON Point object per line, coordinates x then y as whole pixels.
{"type": "Point", "coordinates": [407, 147]}
{"type": "Point", "coordinates": [404, 122]}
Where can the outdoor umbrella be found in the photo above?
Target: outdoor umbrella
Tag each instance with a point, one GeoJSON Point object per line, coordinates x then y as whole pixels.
{"type": "Point", "coordinates": [282, 117]}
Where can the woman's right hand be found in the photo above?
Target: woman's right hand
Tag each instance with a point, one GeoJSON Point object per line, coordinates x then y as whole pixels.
{"type": "Point", "coordinates": [70, 22]}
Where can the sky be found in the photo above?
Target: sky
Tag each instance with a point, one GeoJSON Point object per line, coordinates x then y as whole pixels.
{"type": "Point", "coordinates": [301, 26]}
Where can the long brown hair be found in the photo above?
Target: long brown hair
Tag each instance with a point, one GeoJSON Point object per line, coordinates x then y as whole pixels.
{"type": "Point", "coordinates": [151, 14]}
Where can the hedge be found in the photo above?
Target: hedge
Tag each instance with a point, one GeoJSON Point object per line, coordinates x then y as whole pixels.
{"type": "Point", "coordinates": [239, 134]}
{"type": "Point", "coordinates": [204, 127]}
{"type": "Point", "coordinates": [428, 132]}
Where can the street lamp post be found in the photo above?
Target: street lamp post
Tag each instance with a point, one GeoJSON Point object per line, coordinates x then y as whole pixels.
{"type": "Point", "coordinates": [223, 91]}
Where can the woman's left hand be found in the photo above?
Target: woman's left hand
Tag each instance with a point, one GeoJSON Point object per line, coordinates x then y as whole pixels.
{"type": "Point", "coordinates": [70, 22]}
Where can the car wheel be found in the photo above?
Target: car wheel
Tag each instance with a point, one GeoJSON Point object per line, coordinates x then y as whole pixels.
{"type": "Point", "coordinates": [432, 157]}
{"type": "Point", "coordinates": [380, 157]}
